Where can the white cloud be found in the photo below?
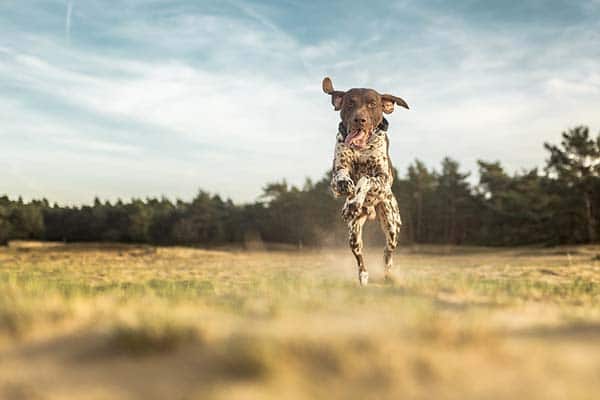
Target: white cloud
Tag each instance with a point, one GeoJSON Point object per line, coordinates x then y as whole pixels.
{"type": "Point", "coordinates": [250, 109]}
{"type": "Point", "coordinates": [263, 122]}
{"type": "Point", "coordinates": [566, 88]}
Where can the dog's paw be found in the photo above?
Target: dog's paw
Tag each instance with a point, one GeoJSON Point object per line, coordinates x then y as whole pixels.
{"type": "Point", "coordinates": [345, 186]}
{"type": "Point", "coordinates": [363, 278]}
{"type": "Point", "coordinates": [350, 210]}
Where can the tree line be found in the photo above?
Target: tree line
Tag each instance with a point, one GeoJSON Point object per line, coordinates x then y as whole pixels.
{"type": "Point", "coordinates": [557, 205]}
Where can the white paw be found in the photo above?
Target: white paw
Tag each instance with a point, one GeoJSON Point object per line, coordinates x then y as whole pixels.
{"type": "Point", "coordinates": [363, 278]}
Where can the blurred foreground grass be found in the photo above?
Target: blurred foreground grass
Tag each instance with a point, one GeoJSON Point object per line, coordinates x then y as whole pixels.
{"type": "Point", "coordinates": [120, 322]}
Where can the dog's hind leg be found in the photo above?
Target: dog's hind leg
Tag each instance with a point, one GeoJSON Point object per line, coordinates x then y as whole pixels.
{"type": "Point", "coordinates": [389, 220]}
{"type": "Point", "coordinates": [356, 245]}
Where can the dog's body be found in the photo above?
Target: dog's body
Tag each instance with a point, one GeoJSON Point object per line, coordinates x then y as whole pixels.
{"type": "Point", "coordinates": [370, 168]}
{"type": "Point", "coordinates": [362, 169]}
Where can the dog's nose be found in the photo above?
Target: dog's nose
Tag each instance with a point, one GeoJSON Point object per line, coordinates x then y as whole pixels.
{"type": "Point", "coordinates": [360, 120]}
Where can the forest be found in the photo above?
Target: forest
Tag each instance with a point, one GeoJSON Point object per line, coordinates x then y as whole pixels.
{"type": "Point", "coordinates": [559, 204]}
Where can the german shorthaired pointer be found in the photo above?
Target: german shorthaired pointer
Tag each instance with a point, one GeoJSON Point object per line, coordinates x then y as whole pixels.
{"type": "Point", "coordinates": [362, 170]}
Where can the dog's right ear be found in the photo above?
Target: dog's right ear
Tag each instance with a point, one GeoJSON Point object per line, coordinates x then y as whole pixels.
{"type": "Point", "coordinates": [336, 96]}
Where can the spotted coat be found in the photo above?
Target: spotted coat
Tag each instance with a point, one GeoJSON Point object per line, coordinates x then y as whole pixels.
{"type": "Point", "coordinates": [365, 177]}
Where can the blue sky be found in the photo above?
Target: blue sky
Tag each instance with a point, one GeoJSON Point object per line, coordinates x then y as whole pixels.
{"type": "Point", "coordinates": [147, 98]}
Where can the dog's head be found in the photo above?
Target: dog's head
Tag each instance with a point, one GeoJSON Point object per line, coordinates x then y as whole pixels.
{"type": "Point", "coordinates": [361, 110]}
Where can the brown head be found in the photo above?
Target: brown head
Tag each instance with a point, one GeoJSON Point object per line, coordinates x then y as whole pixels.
{"type": "Point", "coordinates": [361, 110]}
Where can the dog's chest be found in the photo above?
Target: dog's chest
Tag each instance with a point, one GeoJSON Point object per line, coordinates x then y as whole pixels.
{"type": "Point", "coordinates": [372, 158]}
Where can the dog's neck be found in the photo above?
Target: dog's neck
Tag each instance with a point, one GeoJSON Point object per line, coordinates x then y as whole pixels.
{"type": "Point", "coordinates": [383, 126]}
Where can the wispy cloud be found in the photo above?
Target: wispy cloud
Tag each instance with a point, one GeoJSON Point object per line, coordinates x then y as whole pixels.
{"type": "Point", "coordinates": [68, 20]}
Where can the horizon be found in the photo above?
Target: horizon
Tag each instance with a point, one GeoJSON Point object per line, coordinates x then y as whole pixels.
{"type": "Point", "coordinates": [144, 100]}
{"type": "Point", "coordinates": [472, 179]}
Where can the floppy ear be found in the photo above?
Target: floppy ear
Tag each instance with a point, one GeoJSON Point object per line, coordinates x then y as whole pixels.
{"type": "Point", "coordinates": [336, 95]}
{"type": "Point", "coordinates": [388, 101]}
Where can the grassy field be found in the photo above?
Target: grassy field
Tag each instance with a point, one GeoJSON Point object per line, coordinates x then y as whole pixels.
{"type": "Point", "coordinates": [133, 322]}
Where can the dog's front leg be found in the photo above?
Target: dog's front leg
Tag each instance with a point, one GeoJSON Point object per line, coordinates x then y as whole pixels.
{"type": "Point", "coordinates": [352, 207]}
{"type": "Point", "coordinates": [342, 184]}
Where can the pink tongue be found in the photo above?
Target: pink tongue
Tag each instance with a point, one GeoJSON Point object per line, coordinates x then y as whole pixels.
{"type": "Point", "coordinates": [357, 139]}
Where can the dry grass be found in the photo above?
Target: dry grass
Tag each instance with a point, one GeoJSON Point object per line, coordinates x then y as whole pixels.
{"type": "Point", "coordinates": [133, 322]}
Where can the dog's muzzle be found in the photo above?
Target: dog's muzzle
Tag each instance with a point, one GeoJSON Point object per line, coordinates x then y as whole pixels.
{"type": "Point", "coordinates": [358, 138]}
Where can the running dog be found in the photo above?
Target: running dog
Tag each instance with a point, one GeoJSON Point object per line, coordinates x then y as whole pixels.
{"type": "Point", "coordinates": [362, 170]}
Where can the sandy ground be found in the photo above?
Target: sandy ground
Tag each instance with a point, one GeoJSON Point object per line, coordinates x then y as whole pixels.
{"type": "Point", "coordinates": [138, 322]}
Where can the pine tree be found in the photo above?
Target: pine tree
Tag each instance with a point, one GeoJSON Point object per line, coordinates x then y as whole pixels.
{"type": "Point", "coordinates": [576, 163]}
{"type": "Point", "coordinates": [453, 197]}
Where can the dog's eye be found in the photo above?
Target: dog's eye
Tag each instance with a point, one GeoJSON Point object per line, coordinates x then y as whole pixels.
{"type": "Point", "coordinates": [372, 104]}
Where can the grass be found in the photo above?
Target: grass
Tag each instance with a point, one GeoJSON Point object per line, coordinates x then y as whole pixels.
{"type": "Point", "coordinates": [122, 322]}
{"type": "Point", "coordinates": [151, 332]}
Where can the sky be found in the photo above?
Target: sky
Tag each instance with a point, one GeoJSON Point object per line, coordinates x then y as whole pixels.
{"type": "Point", "coordinates": [121, 99]}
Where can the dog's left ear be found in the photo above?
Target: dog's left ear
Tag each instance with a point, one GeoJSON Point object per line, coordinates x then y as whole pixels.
{"type": "Point", "coordinates": [337, 96]}
{"type": "Point", "coordinates": [388, 101]}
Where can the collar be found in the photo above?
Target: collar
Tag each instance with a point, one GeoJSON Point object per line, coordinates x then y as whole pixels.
{"type": "Point", "coordinates": [383, 126]}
